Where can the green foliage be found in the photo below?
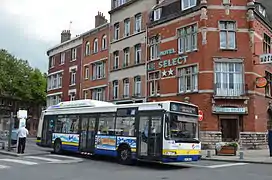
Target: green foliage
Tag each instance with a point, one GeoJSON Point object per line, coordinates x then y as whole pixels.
{"type": "Point", "coordinates": [19, 81]}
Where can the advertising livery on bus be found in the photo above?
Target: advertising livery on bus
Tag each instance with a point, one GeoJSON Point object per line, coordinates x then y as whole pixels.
{"type": "Point", "coordinates": [164, 131]}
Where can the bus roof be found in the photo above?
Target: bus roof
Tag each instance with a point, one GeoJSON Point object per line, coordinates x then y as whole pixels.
{"type": "Point", "coordinates": [92, 106]}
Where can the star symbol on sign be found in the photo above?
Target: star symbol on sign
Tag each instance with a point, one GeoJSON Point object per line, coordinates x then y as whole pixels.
{"type": "Point", "coordinates": [171, 72]}
{"type": "Point", "coordinates": [164, 73]}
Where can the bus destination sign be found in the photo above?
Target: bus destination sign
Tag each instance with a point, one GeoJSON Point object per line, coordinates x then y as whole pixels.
{"type": "Point", "coordinates": [183, 108]}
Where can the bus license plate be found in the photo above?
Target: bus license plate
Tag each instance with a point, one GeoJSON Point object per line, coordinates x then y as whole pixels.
{"type": "Point", "coordinates": [187, 159]}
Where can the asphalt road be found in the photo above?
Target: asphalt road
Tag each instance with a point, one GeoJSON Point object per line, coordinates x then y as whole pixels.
{"type": "Point", "coordinates": [46, 168]}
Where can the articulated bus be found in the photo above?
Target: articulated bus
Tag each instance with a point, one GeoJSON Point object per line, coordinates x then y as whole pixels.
{"type": "Point", "coordinates": [164, 132]}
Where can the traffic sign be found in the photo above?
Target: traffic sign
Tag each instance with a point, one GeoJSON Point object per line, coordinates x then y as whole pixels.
{"type": "Point", "coordinates": [200, 115]}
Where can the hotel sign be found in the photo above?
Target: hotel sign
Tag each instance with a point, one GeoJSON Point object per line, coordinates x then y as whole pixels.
{"type": "Point", "coordinates": [227, 110]}
{"type": "Point", "coordinates": [265, 58]}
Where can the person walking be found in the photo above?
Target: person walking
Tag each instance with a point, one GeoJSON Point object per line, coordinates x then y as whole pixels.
{"type": "Point", "coordinates": [22, 134]}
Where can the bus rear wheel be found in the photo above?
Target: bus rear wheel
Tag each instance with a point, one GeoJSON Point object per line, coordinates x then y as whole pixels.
{"type": "Point", "coordinates": [124, 155]}
{"type": "Point", "coordinates": [57, 147]}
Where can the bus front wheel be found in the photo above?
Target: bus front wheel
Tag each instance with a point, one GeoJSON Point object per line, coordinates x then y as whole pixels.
{"type": "Point", "coordinates": [57, 147]}
{"type": "Point", "coordinates": [124, 155]}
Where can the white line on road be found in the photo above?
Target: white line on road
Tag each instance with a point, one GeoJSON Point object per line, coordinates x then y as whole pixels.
{"type": "Point", "coordinates": [43, 158]}
{"type": "Point", "coordinates": [4, 167]}
{"type": "Point", "coordinates": [19, 161]}
{"type": "Point", "coordinates": [61, 156]}
{"type": "Point", "coordinates": [226, 165]}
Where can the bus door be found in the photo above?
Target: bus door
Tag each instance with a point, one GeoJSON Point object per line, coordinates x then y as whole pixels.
{"type": "Point", "coordinates": [47, 130]}
{"type": "Point", "coordinates": [87, 134]}
{"type": "Point", "coordinates": [149, 135]}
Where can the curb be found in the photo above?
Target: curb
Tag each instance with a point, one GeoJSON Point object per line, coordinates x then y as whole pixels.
{"type": "Point", "coordinates": [238, 161]}
{"type": "Point", "coordinates": [22, 155]}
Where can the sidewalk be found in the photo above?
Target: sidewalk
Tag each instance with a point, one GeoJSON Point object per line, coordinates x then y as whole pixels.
{"type": "Point", "coordinates": [31, 149]}
{"type": "Point", "coordinates": [250, 156]}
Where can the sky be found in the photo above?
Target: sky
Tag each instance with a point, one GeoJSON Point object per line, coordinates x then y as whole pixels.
{"type": "Point", "coordinates": [28, 28]}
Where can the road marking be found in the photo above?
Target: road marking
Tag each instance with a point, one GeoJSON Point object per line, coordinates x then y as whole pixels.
{"type": "Point", "coordinates": [19, 161]}
{"type": "Point", "coordinates": [226, 165]}
{"type": "Point", "coordinates": [43, 158]}
{"type": "Point", "coordinates": [67, 157]}
{"type": "Point", "coordinates": [4, 167]}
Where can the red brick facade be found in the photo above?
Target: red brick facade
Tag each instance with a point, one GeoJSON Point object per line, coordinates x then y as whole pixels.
{"type": "Point", "coordinates": [251, 120]}
{"type": "Point", "coordinates": [90, 83]}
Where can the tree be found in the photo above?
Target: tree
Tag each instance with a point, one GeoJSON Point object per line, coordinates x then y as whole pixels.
{"type": "Point", "coordinates": [19, 81]}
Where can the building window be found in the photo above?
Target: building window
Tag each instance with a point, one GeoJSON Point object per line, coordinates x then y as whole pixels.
{"type": "Point", "coordinates": [126, 57]}
{"type": "Point", "coordinates": [187, 4]}
{"type": "Point", "coordinates": [138, 23]}
{"type": "Point", "coordinates": [126, 88]}
{"type": "Point", "coordinates": [137, 86]}
{"type": "Point", "coordinates": [266, 44]}
{"type": "Point", "coordinates": [268, 88]}
{"type": "Point", "coordinates": [62, 58]}
{"type": "Point", "coordinates": [227, 35]}
{"type": "Point", "coordinates": [59, 80]}
{"type": "Point", "coordinates": [98, 94]}
{"type": "Point", "coordinates": [116, 60]}
{"type": "Point", "coordinates": [74, 54]}
{"type": "Point", "coordinates": [99, 70]}
{"type": "Point", "coordinates": [117, 3]}
{"type": "Point", "coordinates": [127, 27]}
{"type": "Point", "coordinates": [154, 48]}
{"type": "Point", "coordinates": [104, 42]}
{"type": "Point", "coordinates": [229, 79]}
{"type": "Point", "coordinates": [95, 48]}
{"type": "Point", "coordinates": [188, 80]}
{"type": "Point", "coordinates": [87, 49]}
{"type": "Point", "coordinates": [51, 62]}
{"type": "Point", "coordinates": [116, 31]}
{"type": "Point", "coordinates": [87, 74]}
{"type": "Point", "coordinates": [157, 14]}
{"type": "Point", "coordinates": [138, 53]}
{"type": "Point", "coordinates": [154, 84]}
{"type": "Point", "coordinates": [115, 87]}
{"type": "Point", "coordinates": [73, 77]}
{"type": "Point", "coordinates": [72, 96]}
{"type": "Point", "coordinates": [187, 39]}
{"type": "Point", "coordinates": [261, 9]}
{"type": "Point", "coordinates": [85, 94]}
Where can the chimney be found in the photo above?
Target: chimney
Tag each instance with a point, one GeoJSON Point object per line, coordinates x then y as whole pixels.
{"type": "Point", "coordinates": [65, 36]}
{"type": "Point", "coordinates": [100, 19]}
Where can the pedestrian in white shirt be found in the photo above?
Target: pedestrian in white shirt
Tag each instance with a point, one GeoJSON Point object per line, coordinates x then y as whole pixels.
{"type": "Point", "coordinates": [22, 134]}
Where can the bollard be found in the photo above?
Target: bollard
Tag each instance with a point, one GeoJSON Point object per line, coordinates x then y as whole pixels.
{"type": "Point", "coordinates": [241, 155]}
{"type": "Point", "coordinates": [209, 154]}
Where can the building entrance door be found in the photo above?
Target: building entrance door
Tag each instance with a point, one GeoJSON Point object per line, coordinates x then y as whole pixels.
{"type": "Point", "coordinates": [229, 129]}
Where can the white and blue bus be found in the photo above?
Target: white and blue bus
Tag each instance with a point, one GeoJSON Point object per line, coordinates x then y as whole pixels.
{"type": "Point", "coordinates": [165, 131]}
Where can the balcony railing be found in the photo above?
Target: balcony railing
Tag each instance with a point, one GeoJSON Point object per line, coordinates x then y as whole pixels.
{"type": "Point", "coordinates": [229, 89]}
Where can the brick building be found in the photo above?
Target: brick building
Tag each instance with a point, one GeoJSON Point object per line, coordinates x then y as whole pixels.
{"type": "Point", "coordinates": [94, 81]}
{"type": "Point", "coordinates": [64, 69]}
{"type": "Point", "coordinates": [208, 52]}
{"type": "Point", "coordinates": [127, 78]}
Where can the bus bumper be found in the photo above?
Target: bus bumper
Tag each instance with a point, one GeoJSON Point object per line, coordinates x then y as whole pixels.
{"type": "Point", "coordinates": [181, 158]}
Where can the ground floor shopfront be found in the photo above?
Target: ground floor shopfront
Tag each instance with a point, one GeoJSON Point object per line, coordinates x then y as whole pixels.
{"type": "Point", "coordinates": [240, 119]}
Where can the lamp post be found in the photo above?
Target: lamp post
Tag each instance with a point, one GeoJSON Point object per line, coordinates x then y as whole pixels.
{"type": "Point", "coordinates": [10, 124]}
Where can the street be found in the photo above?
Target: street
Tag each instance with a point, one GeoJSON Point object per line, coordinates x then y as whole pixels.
{"type": "Point", "coordinates": [56, 167]}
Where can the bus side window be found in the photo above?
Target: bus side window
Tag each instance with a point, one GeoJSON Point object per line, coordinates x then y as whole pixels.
{"type": "Point", "coordinates": [125, 126]}
{"type": "Point", "coordinates": [106, 124]}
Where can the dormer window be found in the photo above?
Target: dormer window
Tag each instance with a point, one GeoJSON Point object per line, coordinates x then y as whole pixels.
{"type": "Point", "coordinates": [187, 4]}
{"type": "Point", "coordinates": [157, 14]}
{"type": "Point", "coordinates": [262, 10]}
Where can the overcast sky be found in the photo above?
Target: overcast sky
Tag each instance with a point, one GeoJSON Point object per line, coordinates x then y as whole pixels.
{"type": "Point", "coordinates": [29, 27]}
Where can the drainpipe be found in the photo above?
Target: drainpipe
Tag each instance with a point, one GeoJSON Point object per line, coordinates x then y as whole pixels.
{"type": "Point", "coordinates": [109, 60]}
{"type": "Point", "coordinates": [146, 57]}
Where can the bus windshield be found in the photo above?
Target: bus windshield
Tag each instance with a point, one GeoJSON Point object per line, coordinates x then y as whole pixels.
{"type": "Point", "coordinates": [181, 128]}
